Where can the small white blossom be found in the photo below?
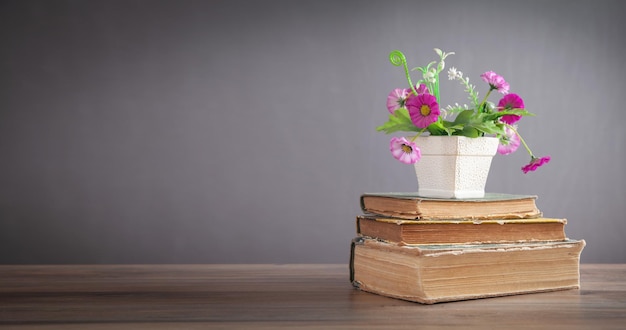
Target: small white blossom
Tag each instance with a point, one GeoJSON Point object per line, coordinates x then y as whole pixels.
{"type": "Point", "coordinates": [454, 74]}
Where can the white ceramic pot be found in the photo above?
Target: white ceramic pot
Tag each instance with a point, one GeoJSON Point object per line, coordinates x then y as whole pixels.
{"type": "Point", "coordinates": [454, 166]}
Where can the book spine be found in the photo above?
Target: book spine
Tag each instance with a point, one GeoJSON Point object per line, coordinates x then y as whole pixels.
{"type": "Point", "coordinates": [362, 204]}
{"type": "Point", "coordinates": [356, 241]}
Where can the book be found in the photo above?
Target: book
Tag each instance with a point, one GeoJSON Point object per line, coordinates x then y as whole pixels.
{"type": "Point", "coordinates": [411, 206]}
{"type": "Point", "coordinates": [460, 231]}
{"type": "Point", "coordinates": [431, 274]}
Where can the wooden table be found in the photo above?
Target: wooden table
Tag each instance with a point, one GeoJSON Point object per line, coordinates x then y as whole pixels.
{"type": "Point", "coordinates": [279, 296]}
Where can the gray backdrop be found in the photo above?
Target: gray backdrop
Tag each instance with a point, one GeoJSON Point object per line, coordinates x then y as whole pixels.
{"type": "Point", "coordinates": [244, 131]}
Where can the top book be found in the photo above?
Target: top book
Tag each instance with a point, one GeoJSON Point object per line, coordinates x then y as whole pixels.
{"type": "Point", "coordinates": [413, 207]}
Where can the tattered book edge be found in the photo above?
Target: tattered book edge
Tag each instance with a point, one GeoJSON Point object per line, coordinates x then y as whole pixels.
{"type": "Point", "coordinates": [436, 250]}
{"type": "Point", "coordinates": [419, 217]}
{"type": "Point", "coordinates": [489, 197]}
{"type": "Point", "coordinates": [500, 221]}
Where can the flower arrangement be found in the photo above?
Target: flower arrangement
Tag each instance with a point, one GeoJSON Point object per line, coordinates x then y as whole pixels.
{"type": "Point", "coordinates": [417, 109]}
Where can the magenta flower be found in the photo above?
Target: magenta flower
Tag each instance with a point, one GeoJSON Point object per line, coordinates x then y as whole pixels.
{"type": "Point", "coordinates": [396, 99]}
{"type": "Point", "coordinates": [423, 108]}
{"type": "Point", "coordinates": [509, 142]}
{"type": "Point", "coordinates": [535, 163]}
{"type": "Point", "coordinates": [510, 102]}
{"type": "Point", "coordinates": [496, 82]}
{"type": "Point", "coordinates": [404, 150]}
{"type": "Point", "coordinates": [422, 89]}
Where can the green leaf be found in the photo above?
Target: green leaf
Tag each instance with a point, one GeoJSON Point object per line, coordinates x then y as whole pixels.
{"type": "Point", "coordinates": [520, 112]}
{"type": "Point", "coordinates": [451, 126]}
{"type": "Point", "coordinates": [438, 128]}
{"type": "Point", "coordinates": [464, 117]}
{"type": "Point", "coordinates": [487, 127]}
{"type": "Point", "coordinates": [469, 132]}
{"type": "Point", "coordinates": [400, 120]}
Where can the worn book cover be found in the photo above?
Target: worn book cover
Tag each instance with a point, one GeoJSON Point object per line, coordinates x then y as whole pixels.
{"type": "Point", "coordinates": [440, 273]}
{"type": "Point", "coordinates": [460, 231]}
{"type": "Point", "coordinates": [413, 207]}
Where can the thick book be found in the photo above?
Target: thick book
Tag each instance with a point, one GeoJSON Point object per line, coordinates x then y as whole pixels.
{"type": "Point", "coordinates": [413, 207]}
{"type": "Point", "coordinates": [431, 274]}
{"type": "Point", "coordinates": [460, 231]}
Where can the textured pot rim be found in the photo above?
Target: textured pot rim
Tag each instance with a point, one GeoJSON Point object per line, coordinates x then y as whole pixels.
{"type": "Point", "coordinates": [457, 145]}
{"type": "Point", "coordinates": [461, 137]}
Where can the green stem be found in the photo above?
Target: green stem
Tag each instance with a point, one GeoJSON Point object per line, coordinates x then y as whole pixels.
{"type": "Point", "coordinates": [521, 140]}
{"type": "Point", "coordinates": [437, 88]}
{"type": "Point", "coordinates": [482, 104]}
{"type": "Point", "coordinates": [397, 58]}
{"type": "Point", "coordinates": [418, 134]}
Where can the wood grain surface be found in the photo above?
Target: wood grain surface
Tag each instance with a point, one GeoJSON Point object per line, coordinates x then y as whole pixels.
{"type": "Point", "coordinates": [279, 296]}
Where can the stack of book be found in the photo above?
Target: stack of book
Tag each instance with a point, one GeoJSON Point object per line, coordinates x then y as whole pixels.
{"type": "Point", "coordinates": [437, 250]}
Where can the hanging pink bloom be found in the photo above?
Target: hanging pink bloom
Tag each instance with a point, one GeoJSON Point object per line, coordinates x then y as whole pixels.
{"type": "Point", "coordinates": [509, 142]}
{"type": "Point", "coordinates": [404, 150]}
{"type": "Point", "coordinates": [423, 108]}
{"type": "Point", "coordinates": [496, 82]}
{"type": "Point", "coordinates": [535, 163]}
{"type": "Point", "coordinates": [396, 99]}
{"type": "Point", "coordinates": [509, 102]}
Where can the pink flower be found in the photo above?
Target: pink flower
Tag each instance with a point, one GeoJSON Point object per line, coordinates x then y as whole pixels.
{"type": "Point", "coordinates": [495, 81]}
{"type": "Point", "coordinates": [423, 108]}
{"type": "Point", "coordinates": [396, 99]}
{"type": "Point", "coordinates": [422, 89]}
{"type": "Point", "coordinates": [509, 142]}
{"type": "Point", "coordinates": [510, 102]}
{"type": "Point", "coordinates": [535, 163]}
{"type": "Point", "coordinates": [404, 150]}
